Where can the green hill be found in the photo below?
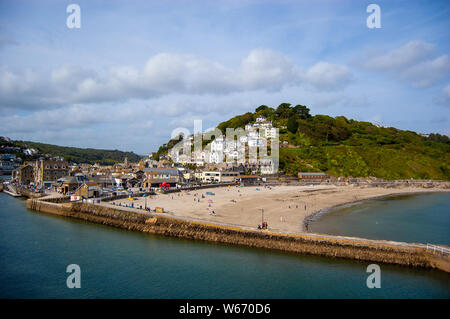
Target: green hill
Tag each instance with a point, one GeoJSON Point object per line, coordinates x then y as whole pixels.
{"type": "Point", "coordinates": [345, 147]}
{"type": "Point", "coordinates": [83, 155]}
{"type": "Point", "coordinates": [339, 146]}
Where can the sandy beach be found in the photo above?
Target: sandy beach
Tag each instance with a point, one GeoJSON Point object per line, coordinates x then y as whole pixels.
{"type": "Point", "coordinates": [284, 207]}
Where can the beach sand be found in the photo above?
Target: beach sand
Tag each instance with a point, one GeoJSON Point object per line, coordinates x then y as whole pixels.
{"type": "Point", "coordinates": [284, 207]}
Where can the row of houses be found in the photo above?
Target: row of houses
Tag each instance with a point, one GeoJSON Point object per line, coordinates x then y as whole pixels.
{"type": "Point", "coordinates": [221, 149]}
{"type": "Point", "coordinates": [95, 180]}
{"type": "Point", "coordinates": [41, 173]}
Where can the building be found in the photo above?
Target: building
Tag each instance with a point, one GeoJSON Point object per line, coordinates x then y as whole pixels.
{"type": "Point", "coordinates": [8, 157]}
{"type": "Point", "coordinates": [210, 177]}
{"type": "Point", "coordinates": [249, 179]}
{"type": "Point", "coordinates": [68, 184]}
{"type": "Point", "coordinates": [48, 171]}
{"type": "Point", "coordinates": [219, 176]}
{"type": "Point", "coordinates": [6, 167]}
{"type": "Point", "coordinates": [156, 176]}
{"type": "Point", "coordinates": [89, 190]}
{"type": "Point", "coordinates": [312, 177]}
{"type": "Point", "coordinates": [24, 174]}
{"type": "Point", "coordinates": [162, 173]}
{"type": "Point", "coordinates": [271, 132]}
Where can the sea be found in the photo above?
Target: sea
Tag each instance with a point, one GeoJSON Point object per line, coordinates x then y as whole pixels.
{"type": "Point", "coordinates": [36, 250]}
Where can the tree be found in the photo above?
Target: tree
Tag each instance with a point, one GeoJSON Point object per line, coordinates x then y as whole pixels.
{"type": "Point", "coordinates": [284, 110]}
{"type": "Point", "coordinates": [292, 124]}
{"type": "Point", "coordinates": [261, 108]}
{"type": "Point", "coordinates": [302, 111]}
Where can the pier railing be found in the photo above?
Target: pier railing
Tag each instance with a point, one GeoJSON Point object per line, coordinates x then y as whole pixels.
{"type": "Point", "coordinates": [438, 249]}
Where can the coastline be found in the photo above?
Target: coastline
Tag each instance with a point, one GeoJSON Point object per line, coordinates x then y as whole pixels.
{"type": "Point", "coordinates": [314, 216]}
{"type": "Point", "coordinates": [406, 254]}
{"type": "Point", "coordinates": [284, 208]}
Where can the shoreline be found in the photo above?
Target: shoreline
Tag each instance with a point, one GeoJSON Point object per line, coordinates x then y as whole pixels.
{"type": "Point", "coordinates": [314, 216]}
{"type": "Point", "coordinates": [383, 251]}
{"type": "Point", "coordinates": [286, 209]}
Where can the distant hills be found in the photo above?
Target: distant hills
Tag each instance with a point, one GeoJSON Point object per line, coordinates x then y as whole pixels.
{"type": "Point", "coordinates": [345, 147]}
{"type": "Point", "coordinates": [80, 155]}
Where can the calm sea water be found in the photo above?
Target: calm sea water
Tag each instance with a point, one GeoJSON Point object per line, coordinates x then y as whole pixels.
{"type": "Point", "coordinates": [423, 218]}
{"type": "Point", "coordinates": [35, 250]}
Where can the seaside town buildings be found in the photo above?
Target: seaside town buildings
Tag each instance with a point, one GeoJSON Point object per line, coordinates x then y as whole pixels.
{"type": "Point", "coordinates": [221, 149]}
{"type": "Point", "coordinates": [48, 171]}
{"type": "Point", "coordinates": [24, 174]}
{"type": "Point", "coordinates": [222, 160]}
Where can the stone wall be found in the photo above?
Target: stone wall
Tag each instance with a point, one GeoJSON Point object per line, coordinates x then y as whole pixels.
{"type": "Point", "coordinates": [379, 251]}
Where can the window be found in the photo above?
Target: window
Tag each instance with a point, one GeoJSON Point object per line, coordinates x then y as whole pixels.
{"type": "Point", "coordinates": [47, 167]}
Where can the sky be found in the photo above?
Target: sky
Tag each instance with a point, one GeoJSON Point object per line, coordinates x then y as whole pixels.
{"type": "Point", "coordinates": [135, 71]}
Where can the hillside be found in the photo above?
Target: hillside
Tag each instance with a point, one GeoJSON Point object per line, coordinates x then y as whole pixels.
{"type": "Point", "coordinates": [82, 155]}
{"type": "Point", "coordinates": [345, 147]}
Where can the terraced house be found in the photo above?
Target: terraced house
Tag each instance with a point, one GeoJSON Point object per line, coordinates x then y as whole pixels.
{"type": "Point", "coordinates": [49, 171]}
{"type": "Point", "coordinates": [24, 174]}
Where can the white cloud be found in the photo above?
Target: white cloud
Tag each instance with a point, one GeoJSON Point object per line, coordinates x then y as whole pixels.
{"type": "Point", "coordinates": [327, 76]}
{"type": "Point", "coordinates": [268, 69]}
{"type": "Point", "coordinates": [397, 59]}
{"type": "Point", "coordinates": [163, 74]}
{"type": "Point", "coordinates": [413, 63]}
{"type": "Point", "coordinates": [429, 72]}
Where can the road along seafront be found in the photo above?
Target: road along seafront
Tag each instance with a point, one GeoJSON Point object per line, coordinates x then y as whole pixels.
{"type": "Point", "coordinates": [407, 254]}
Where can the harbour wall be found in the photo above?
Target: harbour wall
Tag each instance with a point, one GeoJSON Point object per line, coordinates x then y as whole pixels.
{"type": "Point", "coordinates": [322, 245]}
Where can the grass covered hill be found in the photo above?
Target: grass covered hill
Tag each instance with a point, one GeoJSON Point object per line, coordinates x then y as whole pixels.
{"type": "Point", "coordinates": [83, 155]}
{"type": "Point", "coordinates": [345, 147]}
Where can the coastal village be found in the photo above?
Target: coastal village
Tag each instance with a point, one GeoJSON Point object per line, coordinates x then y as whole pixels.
{"type": "Point", "coordinates": [218, 183]}
{"type": "Point", "coordinates": [200, 196]}
{"type": "Point", "coordinates": [175, 170]}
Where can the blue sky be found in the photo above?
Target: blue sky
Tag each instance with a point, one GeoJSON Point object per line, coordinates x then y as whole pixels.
{"type": "Point", "coordinates": [136, 70]}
